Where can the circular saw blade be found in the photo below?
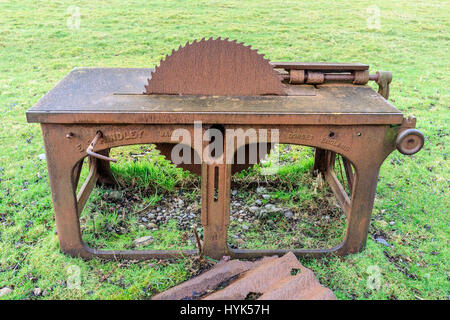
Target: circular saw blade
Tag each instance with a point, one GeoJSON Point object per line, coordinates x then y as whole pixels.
{"type": "Point", "coordinates": [215, 67]}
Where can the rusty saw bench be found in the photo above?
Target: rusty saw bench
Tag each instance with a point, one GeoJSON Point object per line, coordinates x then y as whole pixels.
{"type": "Point", "coordinates": [325, 106]}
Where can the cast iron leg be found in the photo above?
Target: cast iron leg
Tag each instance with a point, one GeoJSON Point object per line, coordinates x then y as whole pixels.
{"type": "Point", "coordinates": [61, 176]}
{"type": "Point", "coordinates": [216, 180]}
{"type": "Point", "coordinates": [63, 165]}
{"type": "Point", "coordinates": [358, 222]}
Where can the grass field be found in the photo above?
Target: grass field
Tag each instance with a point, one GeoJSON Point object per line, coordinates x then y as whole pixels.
{"type": "Point", "coordinates": [41, 41]}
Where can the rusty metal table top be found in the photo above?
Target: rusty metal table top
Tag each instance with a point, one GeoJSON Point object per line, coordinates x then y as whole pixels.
{"type": "Point", "coordinates": [114, 95]}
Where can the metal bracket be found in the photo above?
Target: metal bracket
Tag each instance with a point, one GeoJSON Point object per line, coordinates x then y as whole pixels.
{"type": "Point", "coordinates": [383, 79]}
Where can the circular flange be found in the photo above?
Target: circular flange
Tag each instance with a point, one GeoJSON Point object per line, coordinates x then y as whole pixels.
{"type": "Point", "coordinates": [410, 141]}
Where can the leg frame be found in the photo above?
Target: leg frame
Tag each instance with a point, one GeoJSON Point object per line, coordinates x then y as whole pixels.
{"type": "Point", "coordinates": [64, 162]}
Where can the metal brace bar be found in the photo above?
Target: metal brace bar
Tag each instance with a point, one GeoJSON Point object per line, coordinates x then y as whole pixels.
{"type": "Point", "coordinates": [88, 186]}
{"type": "Point", "coordinates": [338, 191]}
{"type": "Point", "coordinates": [90, 149]}
{"type": "Point", "coordinates": [349, 173]}
{"type": "Point", "coordinates": [335, 185]}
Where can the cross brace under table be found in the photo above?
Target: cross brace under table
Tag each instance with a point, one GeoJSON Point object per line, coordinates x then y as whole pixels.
{"type": "Point", "coordinates": [93, 110]}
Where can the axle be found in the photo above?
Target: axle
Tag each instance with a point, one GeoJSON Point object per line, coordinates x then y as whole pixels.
{"type": "Point", "coordinates": [318, 73]}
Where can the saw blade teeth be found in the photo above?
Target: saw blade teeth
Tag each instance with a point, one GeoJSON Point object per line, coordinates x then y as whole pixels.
{"type": "Point", "coordinates": [163, 81]}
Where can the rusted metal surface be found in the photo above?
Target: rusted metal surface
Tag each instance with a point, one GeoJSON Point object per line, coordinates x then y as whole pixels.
{"type": "Point", "coordinates": [349, 119]}
{"type": "Point", "coordinates": [318, 73]}
{"type": "Point", "coordinates": [113, 95]}
{"type": "Point", "coordinates": [166, 150]}
{"type": "Point", "coordinates": [410, 141]}
{"type": "Point", "coordinates": [277, 279]}
{"type": "Point", "coordinates": [312, 77]}
{"type": "Point", "coordinates": [383, 80]}
{"type": "Point", "coordinates": [208, 281]}
{"type": "Point", "coordinates": [88, 185]}
{"type": "Point", "coordinates": [215, 67]}
{"type": "Point", "coordinates": [271, 278]}
{"type": "Point", "coordinates": [91, 147]}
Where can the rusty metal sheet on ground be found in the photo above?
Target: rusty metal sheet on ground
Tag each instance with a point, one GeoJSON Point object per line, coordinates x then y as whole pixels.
{"type": "Point", "coordinates": [271, 278]}
{"type": "Point", "coordinates": [209, 280]}
{"type": "Point", "coordinates": [280, 279]}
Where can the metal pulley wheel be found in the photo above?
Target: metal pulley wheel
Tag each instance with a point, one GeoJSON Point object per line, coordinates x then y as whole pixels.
{"type": "Point", "coordinates": [410, 141]}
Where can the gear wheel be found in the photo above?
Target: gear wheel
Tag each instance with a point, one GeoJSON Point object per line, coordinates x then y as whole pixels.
{"type": "Point", "coordinates": [215, 67]}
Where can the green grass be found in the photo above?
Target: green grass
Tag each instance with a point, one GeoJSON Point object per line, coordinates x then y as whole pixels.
{"type": "Point", "coordinates": [37, 50]}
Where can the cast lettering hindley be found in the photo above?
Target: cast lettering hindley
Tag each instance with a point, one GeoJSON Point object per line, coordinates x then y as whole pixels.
{"type": "Point", "coordinates": [123, 135]}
